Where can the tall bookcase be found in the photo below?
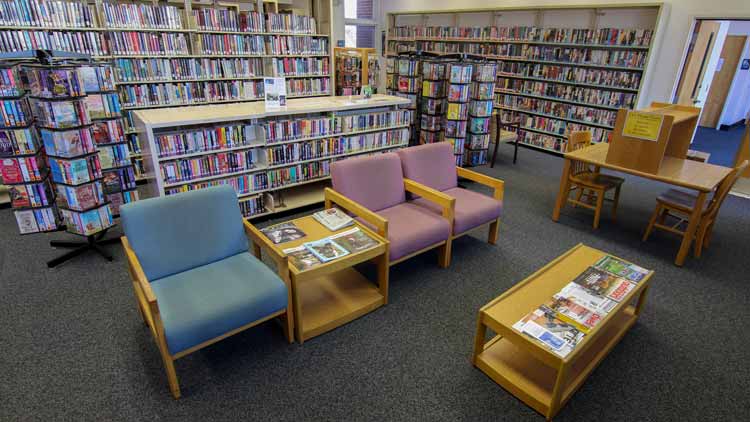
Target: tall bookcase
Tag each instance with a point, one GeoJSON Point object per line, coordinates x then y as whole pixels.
{"type": "Point", "coordinates": [559, 68]}
{"type": "Point", "coordinates": [276, 160]}
{"type": "Point", "coordinates": [184, 52]}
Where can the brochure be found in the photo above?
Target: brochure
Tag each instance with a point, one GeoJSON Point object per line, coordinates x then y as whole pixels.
{"type": "Point", "coordinates": [326, 249]}
{"type": "Point", "coordinates": [580, 295]}
{"type": "Point", "coordinates": [283, 232]}
{"type": "Point", "coordinates": [543, 325]}
{"type": "Point", "coordinates": [354, 240]}
{"type": "Point", "coordinates": [301, 258]}
{"type": "Point", "coordinates": [605, 284]}
{"type": "Point", "coordinates": [622, 269]}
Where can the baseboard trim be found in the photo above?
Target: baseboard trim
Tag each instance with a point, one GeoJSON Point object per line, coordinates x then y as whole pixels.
{"type": "Point", "coordinates": [738, 123]}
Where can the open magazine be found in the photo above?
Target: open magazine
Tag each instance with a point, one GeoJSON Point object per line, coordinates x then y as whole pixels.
{"type": "Point", "coordinates": [543, 325]}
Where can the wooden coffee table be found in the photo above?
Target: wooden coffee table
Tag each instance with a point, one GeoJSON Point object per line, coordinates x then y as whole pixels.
{"type": "Point", "coordinates": [330, 294]}
{"type": "Point", "coordinates": [534, 374]}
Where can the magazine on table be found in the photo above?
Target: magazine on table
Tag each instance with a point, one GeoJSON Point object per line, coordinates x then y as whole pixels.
{"type": "Point", "coordinates": [628, 271]}
{"type": "Point", "coordinates": [569, 311]}
{"type": "Point", "coordinates": [354, 240]}
{"type": "Point", "coordinates": [582, 296]}
{"type": "Point", "coordinates": [326, 249]}
{"type": "Point", "coordinates": [283, 232]}
{"type": "Point", "coordinates": [605, 284]}
{"type": "Point", "coordinates": [333, 219]}
{"type": "Point", "coordinates": [544, 325]}
{"type": "Point", "coordinates": [301, 258]}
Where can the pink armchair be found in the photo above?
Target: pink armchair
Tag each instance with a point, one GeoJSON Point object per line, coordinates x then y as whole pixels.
{"type": "Point", "coordinates": [373, 189]}
{"type": "Point", "coordinates": [434, 165]}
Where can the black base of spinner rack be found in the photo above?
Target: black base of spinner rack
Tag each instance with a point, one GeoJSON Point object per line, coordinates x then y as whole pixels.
{"type": "Point", "coordinates": [93, 242]}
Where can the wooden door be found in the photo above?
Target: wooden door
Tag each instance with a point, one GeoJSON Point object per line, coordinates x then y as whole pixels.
{"type": "Point", "coordinates": [722, 80]}
{"type": "Point", "coordinates": [696, 62]}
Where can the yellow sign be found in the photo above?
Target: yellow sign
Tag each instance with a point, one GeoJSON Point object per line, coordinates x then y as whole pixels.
{"type": "Point", "coordinates": [642, 125]}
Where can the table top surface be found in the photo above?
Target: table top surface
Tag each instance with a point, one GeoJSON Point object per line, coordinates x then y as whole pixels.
{"type": "Point", "coordinates": [675, 171]}
{"type": "Point", "coordinates": [679, 113]}
{"type": "Point", "coordinates": [316, 231]}
{"type": "Point", "coordinates": [541, 286]}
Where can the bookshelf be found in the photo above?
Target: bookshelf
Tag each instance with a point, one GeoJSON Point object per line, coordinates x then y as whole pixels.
{"type": "Point", "coordinates": [184, 52]}
{"type": "Point", "coordinates": [276, 160]}
{"type": "Point", "coordinates": [559, 68]}
{"type": "Point", "coordinates": [355, 67]}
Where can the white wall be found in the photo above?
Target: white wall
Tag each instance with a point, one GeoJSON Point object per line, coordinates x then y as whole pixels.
{"type": "Point", "coordinates": [669, 46]}
{"type": "Point", "coordinates": [737, 105]}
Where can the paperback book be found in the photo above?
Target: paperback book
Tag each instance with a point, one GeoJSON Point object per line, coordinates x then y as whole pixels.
{"type": "Point", "coordinates": [302, 258]}
{"type": "Point", "coordinates": [326, 249]}
{"type": "Point", "coordinates": [605, 284]}
{"type": "Point", "coordinates": [570, 311]}
{"type": "Point", "coordinates": [354, 240]}
{"type": "Point", "coordinates": [283, 232]}
{"type": "Point", "coordinates": [333, 219]}
{"type": "Point", "coordinates": [622, 269]}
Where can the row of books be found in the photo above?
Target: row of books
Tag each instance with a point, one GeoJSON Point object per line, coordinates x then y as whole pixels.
{"type": "Point", "coordinates": [581, 75]}
{"type": "Point", "coordinates": [208, 165]}
{"type": "Point", "coordinates": [602, 36]}
{"type": "Point", "coordinates": [141, 16]}
{"type": "Point", "coordinates": [409, 84]}
{"type": "Point", "coordinates": [286, 129]}
{"type": "Point", "coordinates": [591, 96]}
{"type": "Point", "coordinates": [289, 22]}
{"type": "Point", "coordinates": [61, 114]}
{"type": "Point", "coordinates": [260, 44]}
{"type": "Point", "coordinates": [69, 143]}
{"type": "Point", "coordinates": [18, 142]}
{"type": "Point", "coordinates": [433, 71]}
{"type": "Point", "coordinates": [160, 69]}
{"type": "Point", "coordinates": [242, 184]}
{"type": "Point", "coordinates": [16, 112]}
{"type": "Point", "coordinates": [23, 169]}
{"type": "Point", "coordinates": [552, 108]}
{"type": "Point", "coordinates": [305, 86]}
{"type": "Point", "coordinates": [281, 44]}
{"type": "Point", "coordinates": [228, 20]}
{"type": "Point", "coordinates": [300, 173]}
{"type": "Point", "coordinates": [562, 322]}
{"type": "Point", "coordinates": [176, 93]}
{"type": "Point", "coordinates": [620, 58]}
{"type": "Point", "coordinates": [11, 84]}
{"type": "Point", "coordinates": [55, 82]}
{"type": "Point", "coordinates": [289, 153]}
{"type": "Point", "coordinates": [362, 121]}
{"type": "Point", "coordinates": [541, 140]}
{"type": "Point", "coordinates": [118, 199]}
{"type": "Point", "coordinates": [252, 206]}
{"type": "Point", "coordinates": [473, 158]}
{"type": "Point", "coordinates": [407, 66]}
{"type": "Point", "coordinates": [205, 140]}
{"type": "Point", "coordinates": [91, 43]}
{"type": "Point", "coordinates": [36, 220]}
{"type": "Point", "coordinates": [117, 155]}
{"type": "Point", "coordinates": [33, 195]}
{"type": "Point", "coordinates": [80, 198]}
{"type": "Point", "coordinates": [103, 106]}
{"type": "Point", "coordinates": [108, 131]}
{"type": "Point", "coordinates": [147, 43]}
{"type": "Point", "coordinates": [75, 171]}
{"type": "Point", "coordinates": [297, 66]}
{"type": "Point", "coordinates": [89, 222]}
{"type": "Point", "coordinates": [554, 126]}
{"type": "Point", "coordinates": [118, 179]}
{"type": "Point", "coordinates": [46, 13]}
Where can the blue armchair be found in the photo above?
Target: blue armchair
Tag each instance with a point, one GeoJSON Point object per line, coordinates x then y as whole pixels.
{"type": "Point", "coordinates": [194, 279]}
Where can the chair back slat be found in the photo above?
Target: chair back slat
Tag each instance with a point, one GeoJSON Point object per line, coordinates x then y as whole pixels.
{"type": "Point", "coordinates": [724, 187]}
{"type": "Point", "coordinates": [578, 139]}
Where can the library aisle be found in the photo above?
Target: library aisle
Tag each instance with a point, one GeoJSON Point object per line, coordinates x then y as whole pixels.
{"type": "Point", "coordinates": [417, 367]}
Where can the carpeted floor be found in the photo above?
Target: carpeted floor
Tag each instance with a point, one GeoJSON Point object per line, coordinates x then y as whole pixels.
{"type": "Point", "coordinates": [74, 348]}
{"type": "Point", "coordinates": [721, 144]}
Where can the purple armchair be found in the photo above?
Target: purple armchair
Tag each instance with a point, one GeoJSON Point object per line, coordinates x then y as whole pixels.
{"type": "Point", "coordinates": [434, 165]}
{"type": "Point", "coordinates": [373, 189]}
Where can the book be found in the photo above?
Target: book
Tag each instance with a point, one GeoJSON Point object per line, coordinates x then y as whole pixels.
{"type": "Point", "coordinates": [570, 311]}
{"type": "Point", "coordinates": [630, 272]}
{"type": "Point", "coordinates": [604, 284]}
{"type": "Point", "coordinates": [283, 232]}
{"type": "Point", "coordinates": [544, 325]}
{"type": "Point", "coordinates": [326, 249]}
{"type": "Point", "coordinates": [333, 218]}
{"type": "Point", "coordinates": [301, 258]}
{"type": "Point", "coordinates": [26, 221]}
{"type": "Point", "coordinates": [354, 240]}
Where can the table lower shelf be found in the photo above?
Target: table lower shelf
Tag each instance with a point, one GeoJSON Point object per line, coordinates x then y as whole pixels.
{"type": "Point", "coordinates": [332, 300]}
{"type": "Point", "coordinates": [533, 382]}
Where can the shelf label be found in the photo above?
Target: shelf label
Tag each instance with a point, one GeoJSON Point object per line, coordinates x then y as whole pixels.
{"type": "Point", "coordinates": [645, 126]}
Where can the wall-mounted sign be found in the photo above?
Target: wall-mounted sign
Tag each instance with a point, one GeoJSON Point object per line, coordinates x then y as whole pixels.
{"type": "Point", "coordinates": [645, 126]}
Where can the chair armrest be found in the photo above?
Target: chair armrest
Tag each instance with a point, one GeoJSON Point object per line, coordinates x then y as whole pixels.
{"type": "Point", "coordinates": [136, 271]}
{"type": "Point", "coordinates": [380, 223]}
{"type": "Point", "coordinates": [497, 184]}
{"type": "Point", "coordinates": [446, 202]}
{"type": "Point", "coordinates": [262, 242]}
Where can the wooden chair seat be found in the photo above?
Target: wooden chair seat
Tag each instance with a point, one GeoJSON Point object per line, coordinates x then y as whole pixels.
{"type": "Point", "coordinates": [597, 180]}
{"type": "Point", "coordinates": [680, 200]}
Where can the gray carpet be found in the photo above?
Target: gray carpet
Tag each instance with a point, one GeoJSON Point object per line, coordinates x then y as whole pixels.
{"type": "Point", "coordinates": [74, 348]}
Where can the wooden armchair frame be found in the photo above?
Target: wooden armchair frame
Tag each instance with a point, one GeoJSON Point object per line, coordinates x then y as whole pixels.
{"type": "Point", "coordinates": [498, 194]}
{"type": "Point", "coordinates": [148, 307]}
{"type": "Point", "coordinates": [380, 224]}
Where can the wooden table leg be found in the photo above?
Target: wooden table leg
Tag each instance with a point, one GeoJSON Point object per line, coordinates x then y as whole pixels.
{"type": "Point", "coordinates": [298, 330]}
{"type": "Point", "coordinates": [641, 300]}
{"type": "Point", "coordinates": [687, 239]}
{"type": "Point", "coordinates": [479, 339]}
{"type": "Point", "coordinates": [563, 193]}
{"type": "Point", "coordinates": [383, 270]}
{"type": "Point", "coordinates": [560, 383]}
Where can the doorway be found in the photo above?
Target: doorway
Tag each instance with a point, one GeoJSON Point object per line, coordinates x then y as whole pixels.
{"type": "Point", "coordinates": [716, 77]}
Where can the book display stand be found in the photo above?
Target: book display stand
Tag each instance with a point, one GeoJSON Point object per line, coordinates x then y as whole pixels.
{"type": "Point", "coordinates": [23, 165]}
{"type": "Point", "coordinates": [409, 85]}
{"type": "Point", "coordinates": [352, 65]}
{"type": "Point", "coordinates": [434, 96]}
{"type": "Point", "coordinates": [480, 114]}
{"type": "Point", "coordinates": [457, 112]}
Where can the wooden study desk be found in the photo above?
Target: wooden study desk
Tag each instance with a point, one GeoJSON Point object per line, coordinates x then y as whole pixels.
{"type": "Point", "coordinates": [689, 174]}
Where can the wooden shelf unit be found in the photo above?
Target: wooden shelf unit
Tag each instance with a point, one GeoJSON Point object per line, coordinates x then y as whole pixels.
{"type": "Point", "coordinates": [401, 36]}
{"type": "Point", "coordinates": [321, 10]}
{"type": "Point", "coordinates": [254, 117]}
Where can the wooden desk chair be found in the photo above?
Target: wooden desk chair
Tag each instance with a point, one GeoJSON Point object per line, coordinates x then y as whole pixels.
{"type": "Point", "coordinates": [513, 126]}
{"type": "Point", "coordinates": [679, 204]}
{"type": "Point", "coordinates": [589, 182]}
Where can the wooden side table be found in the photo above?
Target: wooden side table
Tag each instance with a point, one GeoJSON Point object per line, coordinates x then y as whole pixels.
{"type": "Point", "coordinates": [537, 376]}
{"type": "Point", "coordinates": [334, 293]}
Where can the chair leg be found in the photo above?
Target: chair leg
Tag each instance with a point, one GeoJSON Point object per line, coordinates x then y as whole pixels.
{"type": "Point", "coordinates": [616, 202]}
{"type": "Point", "coordinates": [174, 385]}
{"type": "Point", "coordinates": [700, 240]}
{"type": "Point", "coordinates": [494, 229]}
{"type": "Point", "coordinates": [288, 321]}
{"type": "Point", "coordinates": [599, 205]}
{"type": "Point", "coordinates": [709, 233]}
{"type": "Point", "coordinates": [657, 211]}
{"type": "Point", "coordinates": [444, 255]}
